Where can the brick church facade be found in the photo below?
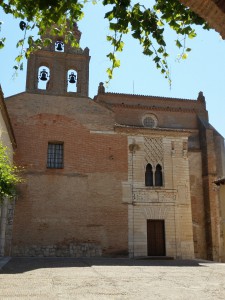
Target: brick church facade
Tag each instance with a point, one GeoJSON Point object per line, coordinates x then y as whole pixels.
{"type": "Point", "coordinates": [117, 175]}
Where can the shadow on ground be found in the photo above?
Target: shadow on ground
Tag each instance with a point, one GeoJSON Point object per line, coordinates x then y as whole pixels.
{"type": "Point", "coordinates": [25, 264]}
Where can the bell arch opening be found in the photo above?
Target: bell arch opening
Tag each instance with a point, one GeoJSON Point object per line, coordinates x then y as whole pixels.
{"type": "Point", "coordinates": [43, 77]}
{"type": "Point", "coordinates": [72, 81]}
{"type": "Point", "coordinates": [59, 46]}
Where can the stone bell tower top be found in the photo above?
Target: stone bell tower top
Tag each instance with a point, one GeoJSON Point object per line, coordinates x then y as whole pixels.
{"type": "Point", "coordinates": [59, 68]}
{"type": "Point", "coordinates": [56, 38]}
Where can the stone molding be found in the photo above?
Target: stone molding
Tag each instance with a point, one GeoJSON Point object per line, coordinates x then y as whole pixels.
{"type": "Point", "coordinates": [134, 130]}
{"type": "Point", "coordinates": [156, 108]}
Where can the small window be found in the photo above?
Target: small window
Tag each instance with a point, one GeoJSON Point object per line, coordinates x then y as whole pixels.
{"type": "Point", "coordinates": [149, 175]}
{"type": "Point", "coordinates": [149, 121]}
{"type": "Point", "coordinates": [55, 156]}
{"type": "Point", "coordinates": [158, 176]}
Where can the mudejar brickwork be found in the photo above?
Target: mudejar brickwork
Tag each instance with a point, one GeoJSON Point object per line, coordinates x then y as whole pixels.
{"type": "Point", "coordinates": [117, 175]}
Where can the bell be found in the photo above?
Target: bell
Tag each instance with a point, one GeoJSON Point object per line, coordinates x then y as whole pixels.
{"type": "Point", "coordinates": [59, 46]}
{"type": "Point", "coordinates": [43, 75]}
{"type": "Point", "coordinates": [72, 78]}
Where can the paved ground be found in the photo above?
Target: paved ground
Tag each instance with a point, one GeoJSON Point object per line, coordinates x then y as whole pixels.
{"type": "Point", "coordinates": [69, 278]}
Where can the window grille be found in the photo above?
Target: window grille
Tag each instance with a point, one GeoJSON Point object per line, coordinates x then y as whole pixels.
{"type": "Point", "coordinates": [149, 122]}
{"type": "Point", "coordinates": [55, 156]}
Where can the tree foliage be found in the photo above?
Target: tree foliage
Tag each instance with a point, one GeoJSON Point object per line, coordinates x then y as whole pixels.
{"type": "Point", "coordinates": [146, 24]}
{"type": "Point", "coordinates": [9, 175]}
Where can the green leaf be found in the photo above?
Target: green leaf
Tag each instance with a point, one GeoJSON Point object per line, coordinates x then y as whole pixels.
{"type": "Point", "coordinates": [120, 46]}
{"type": "Point", "coordinates": [109, 38]}
{"type": "Point", "coordinates": [109, 72]}
{"type": "Point", "coordinates": [160, 50]}
{"type": "Point", "coordinates": [2, 44]}
{"type": "Point", "coordinates": [160, 23]}
{"type": "Point", "coordinates": [192, 34]}
{"type": "Point", "coordinates": [19, 58]}
{"type": "Point", "coordinates": [156, 59]}
{"type": "Point", "coordinates": [20, 43]}
{"type": "Point", "coordinates": [116, 63]}
{"type": "Point", "coordinates": [147, 52]}
{"type": "Point", "coordinates": [109, 15]}
{"type": "Point", "coordinates": [110, 56]}
{"type": "Point", "coordinates": [178, 44]}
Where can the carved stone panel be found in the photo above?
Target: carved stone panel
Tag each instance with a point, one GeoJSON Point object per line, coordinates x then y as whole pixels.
{"type": "Point", "coordinates": [153, 150]}
{"type": "Point", "coordinates": [147, 196]}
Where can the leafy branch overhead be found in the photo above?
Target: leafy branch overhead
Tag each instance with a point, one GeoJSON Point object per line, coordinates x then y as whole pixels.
{"type": "Point", "coordinates": [146, 24]}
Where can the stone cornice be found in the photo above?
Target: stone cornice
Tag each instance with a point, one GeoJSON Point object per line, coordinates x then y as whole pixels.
{"type": "Point", "coordinates": [150, 102]}
{"type": "Point", "coordinates": [135, 130]}
{"type": "Point", "coordinates": [47, 53]}
{"type": "Point", "coordinates": [147, 97]}
{"type": "Point", "coordinates": [155, 108]}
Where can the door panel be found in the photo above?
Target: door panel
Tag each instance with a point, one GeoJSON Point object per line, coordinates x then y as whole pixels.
{"type": "Point", "coordinates": [156, 237]}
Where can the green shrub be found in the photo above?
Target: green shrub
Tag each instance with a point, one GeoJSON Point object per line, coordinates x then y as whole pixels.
{"type": "Point", "coordinates": [9, 175]}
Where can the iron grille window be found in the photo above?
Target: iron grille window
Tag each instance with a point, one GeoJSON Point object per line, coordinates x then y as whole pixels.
{"type": "Point", "coordinates": [55, 156]}
{"type": "Point", "coordinates": [149, 122]}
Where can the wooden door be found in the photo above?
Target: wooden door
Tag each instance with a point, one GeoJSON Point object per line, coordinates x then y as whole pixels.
{"type": "Point", "coordinates": [156, 237]}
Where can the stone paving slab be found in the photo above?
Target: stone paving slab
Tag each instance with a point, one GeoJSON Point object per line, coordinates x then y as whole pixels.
{"type": "Point", "coordinates": [104, 278]}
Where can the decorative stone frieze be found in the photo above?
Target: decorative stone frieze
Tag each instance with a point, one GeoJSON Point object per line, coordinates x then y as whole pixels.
{"type": "Point", "coordinates": [148, 196]}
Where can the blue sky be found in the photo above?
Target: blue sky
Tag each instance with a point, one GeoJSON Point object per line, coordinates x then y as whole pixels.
{"type": "Point", "coordinates": [204, 70]}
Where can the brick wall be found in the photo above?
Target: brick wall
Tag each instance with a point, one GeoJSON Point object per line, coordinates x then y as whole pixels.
{"type": "Point", "coordinates": [197, 204]}
{"type": "Point", "coordinates": [62, 210]}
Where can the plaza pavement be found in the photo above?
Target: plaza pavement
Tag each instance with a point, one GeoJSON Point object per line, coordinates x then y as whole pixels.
{"type": "Point", "coordinates": [107, 278]}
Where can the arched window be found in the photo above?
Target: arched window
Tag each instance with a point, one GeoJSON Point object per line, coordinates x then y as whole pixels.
{"type": "Point", "coordinates": [158, 176]}
{"type": "Point", "coordinates": [43, 77]}
{"type": "Point", "coordinates": [148, 175]}
{"type": "Point", "coordinates": [72, 81]}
